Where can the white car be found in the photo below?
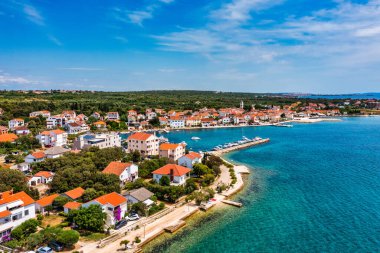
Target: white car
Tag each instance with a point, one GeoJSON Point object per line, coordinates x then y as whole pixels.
{"type": "Point", "coordinates": [133, 217]}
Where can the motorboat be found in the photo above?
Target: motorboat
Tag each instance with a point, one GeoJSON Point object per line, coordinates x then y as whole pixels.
{"type": "Point", "coordinates": [195, 138]}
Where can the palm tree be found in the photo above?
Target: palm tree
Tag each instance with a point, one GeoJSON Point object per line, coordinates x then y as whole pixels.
{"type": "Point", "coordinates": [125, 243]}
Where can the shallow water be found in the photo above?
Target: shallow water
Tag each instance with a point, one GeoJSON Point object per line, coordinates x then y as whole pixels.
{"type": "Point", "coordinates": [313, 188]}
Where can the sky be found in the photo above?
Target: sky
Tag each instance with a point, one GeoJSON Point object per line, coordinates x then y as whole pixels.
{"type": "Point", "coordinates": [308, 46]}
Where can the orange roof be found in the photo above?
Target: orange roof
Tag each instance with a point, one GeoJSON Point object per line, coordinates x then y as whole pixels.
{"type": "Point", "coordinates": [72, 205]}
{"type": "Point", "coordinates": [116, 168]}
{"type": "Point", "coordinates": [58, 131]}
{"type": "Point", "coordinates": [43, 173]}
{"type": "Point", "coordinates": [8, 137]}
{"type": "Point", "coordinates": [112, 198]}
{"type": "Point", "coordinates": [46, 201]}
{"type": "Point", "coordinates": [100, 123]}
{"type": "Point", "coordinates": [8, 197]}
{"type": "Point", "coordinates": [177, 170]}
{"type": "Point", "coordinates": [140, 136]}
{"type": "Point", "coordinates": [168, 146]}
{"type": "Point", "coordinates": [5, 213]}
{"type": "Point", "coordinates": [17, 119]}
{"type": "Point", "coordinates": [75, 193]}
{"type": "Point", "coordinates": [39, 155]}
{"type": "Point", "coordinates": [193, 155]}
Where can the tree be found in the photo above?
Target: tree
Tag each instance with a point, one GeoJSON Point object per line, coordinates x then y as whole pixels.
{"type": "Point", "coordinates": [33, 240]}
{"type": "Point", "coordinates": [25, 229]}
{"type": "Point", "coordinates": [59, 202]}
{"type": "Point", "coordinates": [16, 180]}
{"type": "Point", "coordinates": [164, 181]}
{"type": "Point", "coordinates": [90, 194]}
{"type": "Point", "coordinates": [68, 238]}
{"type": "Point", "coordinates": [200, 169]}
{"type": "Point", "coordinates": [190, 186]}
{"type": "Point", "coordinates": [125, 243]}
{"type": "Point", "coordinates": [89, 218]}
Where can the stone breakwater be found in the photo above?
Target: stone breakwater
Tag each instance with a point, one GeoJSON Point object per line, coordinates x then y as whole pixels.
{"type": "Point", "coordinates": [240, 146]}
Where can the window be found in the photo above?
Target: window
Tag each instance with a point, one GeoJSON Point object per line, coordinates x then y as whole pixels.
{"type": "Point", "coordinates": [110, 209]}
{"type": "Point", "coordinates": [26, 212]}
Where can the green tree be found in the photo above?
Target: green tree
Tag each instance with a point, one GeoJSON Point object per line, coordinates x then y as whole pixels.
{"type": "Point", "coordinates": [68, 238]}
{"type": "Point", "coordinates": [200, 169]}
{"type": "Point", "coordinates": [25, 229]}
{"type": "Point", "coordinates": [59, 202]}
{"type": "Point", "coordinates": [164, 181]}
{"type": "Point", "coordinates": [89, 218]}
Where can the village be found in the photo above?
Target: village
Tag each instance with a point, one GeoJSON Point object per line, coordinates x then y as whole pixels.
{"type": "Point", "coordinates": [83, 186]}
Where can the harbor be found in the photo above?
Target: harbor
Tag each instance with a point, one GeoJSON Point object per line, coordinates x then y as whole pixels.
{"type": "Point", "coordinates": [245, 143]}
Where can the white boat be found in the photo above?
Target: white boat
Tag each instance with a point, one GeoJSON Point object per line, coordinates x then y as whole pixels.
{"type": "Point", "coordinates": [195, 138]}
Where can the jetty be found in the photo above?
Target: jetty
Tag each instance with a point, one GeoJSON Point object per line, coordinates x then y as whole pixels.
{"type": "Point", "coordinates": [239, 146]}
{"type": "Point", "coordinates": [232, 203]}
{"type": "Point", "coordinates": [175, 227]}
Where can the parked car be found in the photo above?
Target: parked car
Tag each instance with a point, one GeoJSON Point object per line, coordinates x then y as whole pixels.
{"type": "Point", "coordinates": [55, 246]}
{"type": "Point", "coordinates": [44, 250]}
{"type": "Point", "coordinates": [121, 224]}
{"type": "Point", "coordinates": [134, 216]}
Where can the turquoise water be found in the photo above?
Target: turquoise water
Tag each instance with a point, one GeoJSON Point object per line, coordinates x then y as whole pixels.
{"type": "Point", "coordinates": [314, 188]}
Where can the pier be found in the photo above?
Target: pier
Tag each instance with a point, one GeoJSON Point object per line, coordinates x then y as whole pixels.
{"type": "Point", "coordinates": [240, 146]}
{"type": "Point", "coordinates": [232, 203]}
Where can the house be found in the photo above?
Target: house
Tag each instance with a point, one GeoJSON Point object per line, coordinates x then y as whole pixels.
{"type": "Point", "coordinates": [226, 120]}
{"type": "Point", "coordinates": [96, 115]}
{"type": "Point", "coordinates": [21, 130]}
{"type": "Point", "coordinates": [44, 202]}
{"type": "Point", "coordinates": [163, 121]}
{"type": "Point", "coordinates": [17, 122]}
{"type": "Point", "coordinates": [106, 140]}
{"type": "Point", "coordinates": [55, 121]}
{"type": "Point", "coordinates": [69, 114]}
{"type": "Point", "coordinates": [151, 115]}
{"type": "Point", "coordinates": [193, 121]}
{"type": "Point", "coordinates": [140, 195]}
{"type": "Point", "coordinates": [127, 172]}
{"type": "Point", "coordinates": [35, 157]}
{"type": "Point", "coordinates": [172, 151]}
{"type": "Point", "coordinates": [55, 152]}
{"type": "Point", "coordinates": [113, 205]}
{"type": "Point", "coordinates": [15, 208]}
{"type": "Point", "coordinates": [146, 144]}
{"type": "Point", "coordinates": [8, 137]}
{"type": "Point", "coordinates": [190, 159]}
{"type": "Point", "coordinates": [23, 167]}
{"type": "Point", "coordinates": [176, 173]}
{"type": "Point", "coordinates": [73, 128]}
{"type": "Point", "coordinates": [132, 113]}
{"type": "Point", "coordinates": [52, 138]}
{"type": "Point", "coordinates": [41, 177]}
{"type": "Point", "coordinates": [3, 130]}
{"type": "Point", "coordinates": [71, 206]}
{"type": "Point", "coordinates": [113, 116]}
{"type": "Point", "coordinates": [176, 122]}
{"type": "Point", "coordinates": [74, 194]}
{"type": "Point", "coordinates": [100, 125]}
{"type": "Point", "coordinates": [208, 122]}
{"type": "Point", "coordinates": [44, 113]}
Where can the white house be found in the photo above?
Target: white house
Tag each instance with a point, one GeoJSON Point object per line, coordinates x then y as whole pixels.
{"type": "Point", "coordinates": [176, 122]}
{"type": "Point", "coordinates": [44, 113]}
{"type": "Point", "coordinates": [106, 140]}
{"type": "Point", "coordinates": [15, 208]}
{"type": "Point", "coordinates": [172, 151]}
{"type": "Point", "coordinates": [17, 122]}
{"type": "Point", "coordinates": [127, 172]}
{"type": "Point", "coordinates": [190, 159]}
{"type": "Point", "coordinates": [113, 116]}
{"type": "Point", "coordinates": [176, 173]}
{"type": "Point", "coordinates": [55, 121]}
{"type": "Point", "coordinates": [23, 167]}
{"type": "Point", "coordinates": [73, 128]}
{"type": "Point", "coordinates": [21, 130]}
{"type": "Point", "coordinates": [52, 138]}
{"type": "Point", "coordinates": [140, 195]}
{"type": "Point", "coordinates": [35, 157]}
{"type": "Point", "coordinates": [55, 152]}
{"type": "Point", "coordinates": [41, 177]}
{"type": "Point", "coordinates": [113, 205]}
{"type": "Point", "coordinates": [146, 144]}
{"type": "Point", "coordinates": [151, 115]}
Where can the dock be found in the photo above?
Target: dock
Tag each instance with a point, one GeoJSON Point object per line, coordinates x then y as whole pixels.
{"type": "Point", "coordinates": [173, 228]}
{"type": "Point", "coordinates": [240, 146]}
{"type": "Point", "coordinates": [232, 203]}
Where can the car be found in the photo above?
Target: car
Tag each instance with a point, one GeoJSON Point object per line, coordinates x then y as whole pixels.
{"type": "Point", "coordinates": [121, 224]}
{"type": "Point", "coordinates": [134, 216]}
{"type": "Point", "coordinates": [44, 250]}
{"type": "Point", "coordinates": [55, 246]}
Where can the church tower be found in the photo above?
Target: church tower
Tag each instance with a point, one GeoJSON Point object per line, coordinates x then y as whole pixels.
{"type": "Point", "coordinates": [241, 104]}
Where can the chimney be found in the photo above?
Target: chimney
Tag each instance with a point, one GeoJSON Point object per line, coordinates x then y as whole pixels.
{"type": "Point", "coordinates": [171, 172]}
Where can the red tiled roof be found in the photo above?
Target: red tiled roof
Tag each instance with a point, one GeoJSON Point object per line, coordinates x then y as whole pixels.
{"type": "Point", "coordinates": [72, 205]}
{"type": "Point", "coordinates": [75, 193]}
{"type": "Point", "coordinates": [8, 137]}
{"type": "Point", "coordinates": [46, 201]}
{"type": "Point", "coordinates": [116, 168]}
{"type": "Point", "coordinates": [193, 155]}
{"type": "Point", "coordinates": [39, 155]}
{"type": "Point", "coordinates": [168, 146]}
{"type": "Point", "coordinates": [177, 170]}
{"type": "Point", "coordinates": [8, 197]}
{"type": "Point", "coordinates": [43, 173]}
{"type": "Point", "coordinates": [141, 136]}
{"type": "Point", "coordinates": [5, 213]}
{"type": "Point", "coordinates": [112, 198]}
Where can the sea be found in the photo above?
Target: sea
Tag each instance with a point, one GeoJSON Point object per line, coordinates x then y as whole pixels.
{"type": "Point", "coordinates": [312, 188]}
{"type": "Point", "coordinates": [345, 96]}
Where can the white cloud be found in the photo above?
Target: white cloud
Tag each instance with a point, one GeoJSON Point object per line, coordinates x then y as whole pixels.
{"type": "Point", "coordinates": [170, 70]}
{"type": "Point", "coordinates": [82, 69]}
{"type": "Point", "coordinates": [33, 15]}
{"type": "Point", "coordinates": [6, 78]}
{"type": "Point", "coordinates": [55, 40]}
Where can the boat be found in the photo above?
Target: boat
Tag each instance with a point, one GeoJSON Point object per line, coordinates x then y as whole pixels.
{"type": "Point", "coordinates": [195, 138]}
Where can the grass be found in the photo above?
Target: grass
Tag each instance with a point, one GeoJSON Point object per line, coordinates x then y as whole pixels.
{"type": "Point", "coordinates": [52, 220]}
{"type": "Point", "coordinates": [94, 237]}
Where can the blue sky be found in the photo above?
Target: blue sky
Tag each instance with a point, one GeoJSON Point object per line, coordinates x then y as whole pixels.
{"type": "Point", "coordinates": [318, 46]}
